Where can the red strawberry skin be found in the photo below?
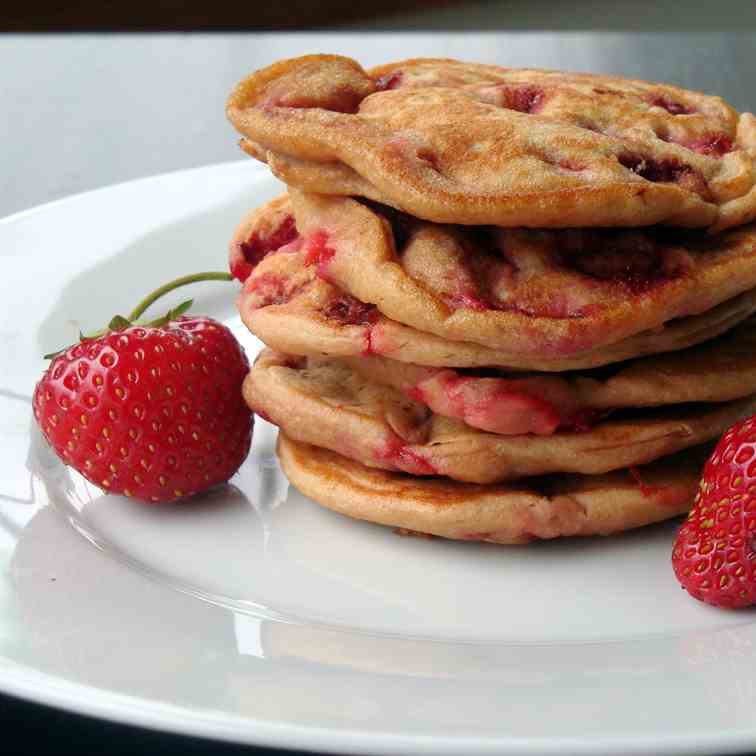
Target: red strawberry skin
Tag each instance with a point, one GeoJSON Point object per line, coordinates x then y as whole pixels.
{"type": "Point", "coordinates": [714, 556]}
{"type": "Point", "coordinates": [151, 412]}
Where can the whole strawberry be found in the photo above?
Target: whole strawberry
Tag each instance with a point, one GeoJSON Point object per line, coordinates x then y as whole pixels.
{"type": "Point", "coordinates": [714, 556]}
{"type": "Point", "coordinates": [154, 411]}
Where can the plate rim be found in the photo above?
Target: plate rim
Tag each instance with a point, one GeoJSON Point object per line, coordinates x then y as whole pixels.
{"type": "Point", "coordinates": [28, 683]}
{"type": "Point", "coordinates": [89, 700]}
{"type": "Point", "coordinates": [87, 193]}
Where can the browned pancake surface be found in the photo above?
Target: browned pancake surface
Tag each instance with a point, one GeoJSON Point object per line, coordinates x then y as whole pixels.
{"type": "Point", "coordinates": [455, 142]}
{"type": "Point", "coordinates": [547, 507]}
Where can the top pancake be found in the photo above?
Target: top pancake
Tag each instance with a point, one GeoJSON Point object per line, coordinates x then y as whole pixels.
{"type": "Point", "coordinates": [475, 144]}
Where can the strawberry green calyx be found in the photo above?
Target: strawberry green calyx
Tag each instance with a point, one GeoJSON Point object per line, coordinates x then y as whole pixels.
{"type": "Point", "coordinates": [119, 322]}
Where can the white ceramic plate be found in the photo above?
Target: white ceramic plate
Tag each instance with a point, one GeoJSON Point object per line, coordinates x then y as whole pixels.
{"type": "Point", "coordinates": [254, 615]}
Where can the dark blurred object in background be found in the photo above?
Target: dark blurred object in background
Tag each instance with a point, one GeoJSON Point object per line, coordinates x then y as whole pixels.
{"type": "Point", "coordinates": [191, 15]}
{"type": "Point", "coordinates": [404, 15]}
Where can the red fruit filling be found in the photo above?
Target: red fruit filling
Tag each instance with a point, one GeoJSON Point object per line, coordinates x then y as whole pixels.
{"type": "Point", "coordinates": [268, 289]}
{"type": "Point", "coordinates": [396, 453]}
{"type": "Point", "coordinates": [427, 157]}
{"type": "Point", "coordinates": [350, 311]}
{"type": "Point", "coordinates": [712, 144]}
{"type": "Point", "coordinates": [319, 253]}
{"type": "Point", "coordinates": [508, 408]}
{"type": "Point", "coordinates": [369, 347]}
{"type": "Point", "coordinates": [629, 266]}
{"type": "Point", "coordinates": [635, 262]}
{"type": "Point", "coordinates": [495, 279]}
{"type": "Point", "coordinates": [389, 81]}
{"type": "Point", "coordinates": [670, 105]}
{"type": "Point", "coordinates": [570, 165]}
{"type": "Point", "coordinates": [492, 277]}
{"type": "Point", "coordinates": [661, 171]}
{"type": "Point", "coordinates": [526, 99]}
{"type": "Point", "coordinates": [486, 269]}
{"type": "Point", "coordinates": [417, 395]}
{"type": "Point", "coordinates": [635, 269]}
{"type": "Point", "coordinates": [465, 301]}
{"type": "Point", "coordinates": [666, 171]}
{"type": "Point", "coordinates": [583, 420]}
{"type": "Point", "coordinates": [512, 412]}
{"type": "Point", "coordinates": [258, 247]}
{"type": "Point", "coordinates": [645, 489]}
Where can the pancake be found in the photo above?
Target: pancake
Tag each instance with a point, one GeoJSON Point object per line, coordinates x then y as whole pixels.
{"type": "Point", "coordinates": [552, 293]}
{"type": "Point", "coordinates": [455, 142]}
{"type": "Point", "coordinates": [324, 402]}
{"type": "Point", "coordinates": [538, 508]}
{"type": "Point", "coordinates": [287, 304]}
{"type": "Point", "coordinates": [512, 404]}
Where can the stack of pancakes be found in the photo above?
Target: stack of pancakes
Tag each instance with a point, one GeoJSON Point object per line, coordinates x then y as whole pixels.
{"type": "Point", "coordinates": [499, 304]}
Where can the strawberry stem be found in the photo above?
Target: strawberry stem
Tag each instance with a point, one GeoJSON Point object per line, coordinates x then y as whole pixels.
{"type": "Point", "coordinates": [119, 322]}
{"type": "Point", "coordinates": [183, 281]}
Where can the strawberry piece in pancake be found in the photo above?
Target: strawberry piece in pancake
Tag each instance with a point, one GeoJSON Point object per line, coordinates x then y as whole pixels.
{"type": "Point", "coordinates": [510, 403]}
{"type": "Point", "coordinates": [323, 401]}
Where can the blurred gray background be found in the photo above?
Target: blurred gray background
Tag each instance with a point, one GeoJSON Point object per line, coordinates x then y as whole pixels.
{"type": "Point", "coordinates": [82, 111]}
